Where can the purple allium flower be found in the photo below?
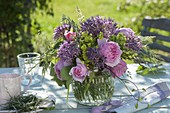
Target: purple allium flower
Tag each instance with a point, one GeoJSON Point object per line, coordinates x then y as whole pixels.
{"type": "Point", "coordinates": [68, 51]}
{"type": "Point", "coordinates": [79, 72]}
{"type": "Point", "coordinates": [95, 57]}
{"type": "Point", "coordinates": [60, 30]}
{"type": "Point", "coordinates": [95, 25]}
{"type": "Point", "coordinates": [133, 42]}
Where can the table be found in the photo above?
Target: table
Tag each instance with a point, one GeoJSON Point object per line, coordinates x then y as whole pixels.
{"type": "Point", "coordinates": [120, 91]}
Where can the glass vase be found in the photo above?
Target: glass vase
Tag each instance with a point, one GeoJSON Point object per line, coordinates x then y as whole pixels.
{"type": "Point", "coordinates": [94, 92]}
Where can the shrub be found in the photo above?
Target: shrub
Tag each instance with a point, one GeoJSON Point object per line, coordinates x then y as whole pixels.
{"type": "Point", "coordinates": [16, 26]}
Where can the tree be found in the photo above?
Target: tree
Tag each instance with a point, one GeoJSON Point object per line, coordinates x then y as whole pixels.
{"type": "Point", "coordinates": [16, 26]}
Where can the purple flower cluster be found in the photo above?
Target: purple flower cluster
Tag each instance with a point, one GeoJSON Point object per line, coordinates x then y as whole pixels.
{"type": "Point", "coordinates": [96, 25]}
{"type": "Point", "coordinates": [133, 42]}
{"type": "Point", "coordinates": [95, 57]}
{"type": "Point", "coordinates": [60, 30]}
{"type": "Point", "coordinates": [68, 51]}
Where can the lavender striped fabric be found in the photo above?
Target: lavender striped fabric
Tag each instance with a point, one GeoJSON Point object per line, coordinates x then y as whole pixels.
{"type": "Point", "coordinates": [152, 95]}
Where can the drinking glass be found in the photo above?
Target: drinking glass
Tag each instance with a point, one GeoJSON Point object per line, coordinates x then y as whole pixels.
{"type": "Point", "coordinates": [29, 66]}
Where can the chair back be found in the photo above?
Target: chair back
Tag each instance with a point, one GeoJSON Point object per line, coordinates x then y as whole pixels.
{"type": "Point", "coordinates": [160, 28]}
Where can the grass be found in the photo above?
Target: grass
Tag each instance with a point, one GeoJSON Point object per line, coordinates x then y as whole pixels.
{"type": "Point", "coordinates": [107, 8]}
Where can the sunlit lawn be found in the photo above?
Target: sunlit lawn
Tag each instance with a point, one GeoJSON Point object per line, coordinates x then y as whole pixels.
{"type": "Point", "coordinates": [107, 8]}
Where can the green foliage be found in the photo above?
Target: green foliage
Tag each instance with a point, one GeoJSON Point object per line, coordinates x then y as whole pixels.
{"type": "Point", "coordinates": [67, 20]}
{"type": "Point", "coordinates": [67, 78]}
{"type": "Point", "coordinates": [121, 40]}
{"type": "Point", "coordinates": [17, 27]}
{"type": "Point", "coordinates": [93, 88]}
{"type": "Point", "coordinates": [144, 70]}
{"type": "Point", "coordinates": [91, 77]}
{"type": "Point", "coordinates": [136, 105]}
{"type": "Point", "coordinates": [145, 8]}
{"type": "Point", "coordinates": [41, 41]}
{"type": "Point", "coordinates": [65, 73]}
{"type": "Point", "coordinates": [85, 42]}
{"type": "Point", "coordinates": [24, 103]}
{"type": "Point", "coordinates": [149, 106]}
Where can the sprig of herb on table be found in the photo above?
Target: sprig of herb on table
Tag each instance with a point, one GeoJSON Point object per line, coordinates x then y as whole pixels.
{"type": "Point", "coordinates": [24, 103]}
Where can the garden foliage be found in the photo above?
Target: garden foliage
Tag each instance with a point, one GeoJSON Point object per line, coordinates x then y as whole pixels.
{"type": "Point", "coordinates": [17, 24]}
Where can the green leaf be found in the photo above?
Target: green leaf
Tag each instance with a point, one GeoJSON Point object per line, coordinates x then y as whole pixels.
{"type": "Point", "coordinates": [68, 91]}
{"type": "Point", "coordinates": [59, 82]}
{"type": "Point", "coordinates": [68, 82]}
{"type": "Point", "coordinates": [148, 70]}
{"type": "Point", "coordinates": [92, 75]}
{"type": "Point", "coordinates": [149, 105]}
{"type": "Point", "coordinates": [136, 105]}
{"type": "Point", "coordinates": [140, 99]}
{"type": "Point", "coordinates": [58, 43]}
{"type": "Point", "coordinates": [141, 67]}
{"type": "Point", "coordinates": [65, 73]}
{"type": "Point", "coordinates": [145, 72]}
{"type": "Point", "coordinates": [83, 47]}
{"type": "Point", "coordinates": [133, 90]}
{"type": "Point", "coordinates": [142, 70]}
{"type": "Point", "coordinates": [143, 89]}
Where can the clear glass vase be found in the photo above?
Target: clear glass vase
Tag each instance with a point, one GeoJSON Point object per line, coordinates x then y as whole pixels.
{"type": "Point", "coordinates": [100, 90]}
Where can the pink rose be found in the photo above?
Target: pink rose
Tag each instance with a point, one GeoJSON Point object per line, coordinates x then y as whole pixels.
{"type": "Point", "coordinates": [119, 69]}
{"type": "Point", "coordinates": [58, 67]}
{"type": "Point", "coordinates": [70, 36]}
{"type": "Point", "coordinates": [79, 72]}
{"type": "Point", "coordinates": [112, 53]}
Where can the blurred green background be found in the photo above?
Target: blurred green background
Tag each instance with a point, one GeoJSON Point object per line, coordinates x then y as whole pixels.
{"type": "Point", "coordinates": [28, 25]}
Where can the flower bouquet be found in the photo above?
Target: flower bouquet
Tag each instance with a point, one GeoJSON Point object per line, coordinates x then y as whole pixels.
{"type": "Point", "coordinates": [90, 55]}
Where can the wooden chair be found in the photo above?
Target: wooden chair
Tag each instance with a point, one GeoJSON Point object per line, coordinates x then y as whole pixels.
{"type": "Point", "coordinates": [154, 27]}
